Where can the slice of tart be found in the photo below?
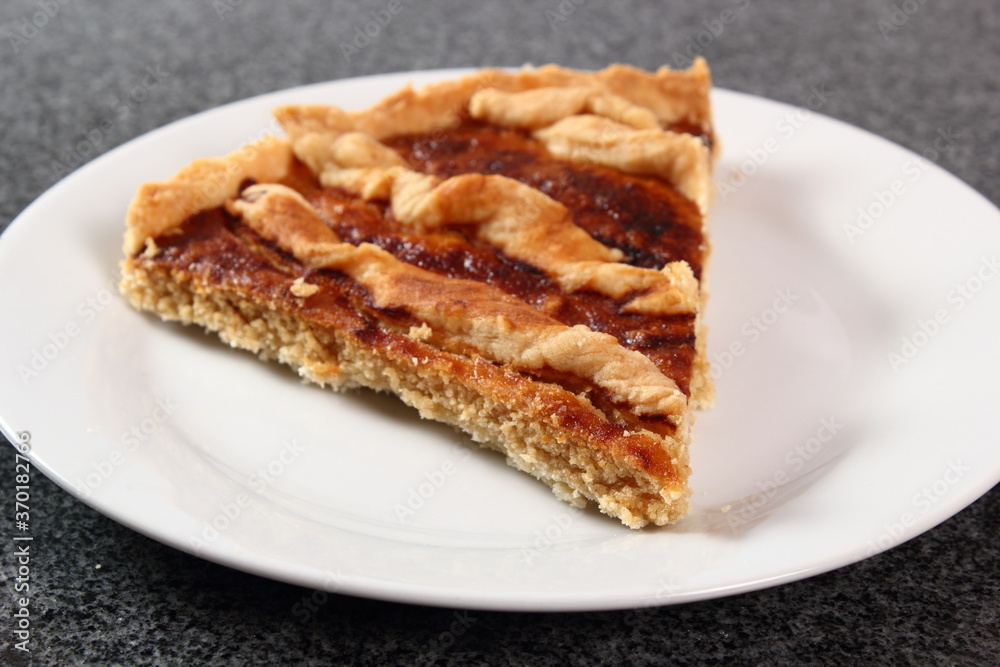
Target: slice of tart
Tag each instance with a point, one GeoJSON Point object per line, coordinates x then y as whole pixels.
{"type": "Point", "coordinates": [518, 254]}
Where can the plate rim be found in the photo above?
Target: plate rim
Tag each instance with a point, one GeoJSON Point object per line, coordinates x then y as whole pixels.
{"type": "Point", "coordinates": [425, 594]}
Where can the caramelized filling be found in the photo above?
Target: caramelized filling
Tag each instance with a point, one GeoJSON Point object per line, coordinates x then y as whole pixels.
{"type": "Point", "coordinates": [642, 216]}
{"type": "Point", "coordinates": [667, 340]}
{"type": "Point", "coordinates": [684, 127]}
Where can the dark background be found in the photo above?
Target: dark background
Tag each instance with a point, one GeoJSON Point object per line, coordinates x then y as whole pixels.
{"type": "Point", "coordinates": [903, 70]}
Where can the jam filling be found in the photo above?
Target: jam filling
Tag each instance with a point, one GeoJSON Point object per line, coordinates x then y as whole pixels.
{"type": "Point", "coordinates": [642, 216]}
{"type": "Point", "coordinates": [668, 340]}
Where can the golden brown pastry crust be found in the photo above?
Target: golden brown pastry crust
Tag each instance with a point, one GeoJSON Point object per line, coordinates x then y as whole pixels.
{"type": "Point", "coordinates": [527, 225]}
{"type": "Point", "coordinates": [613, 117]}
{"type": "Point", "coordinates": [673, 96]}
{"type": "Point", "coordinates": [632, 459]}
{"type": "Point", "coordinates": [466, 315]}
{"type": "Point", "coordinates": [204, 184]}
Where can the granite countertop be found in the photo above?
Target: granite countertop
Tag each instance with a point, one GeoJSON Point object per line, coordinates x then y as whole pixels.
{"type": "Point", "coordinates": [107, 595]}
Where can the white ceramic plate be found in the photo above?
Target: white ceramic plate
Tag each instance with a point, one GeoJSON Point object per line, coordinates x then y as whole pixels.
{"type": "Point", "coordinates": [822, 449]}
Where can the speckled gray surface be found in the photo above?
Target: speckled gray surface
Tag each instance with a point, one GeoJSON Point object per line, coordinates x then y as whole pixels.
{"type": "Point", "coordinates": [932, 600]}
